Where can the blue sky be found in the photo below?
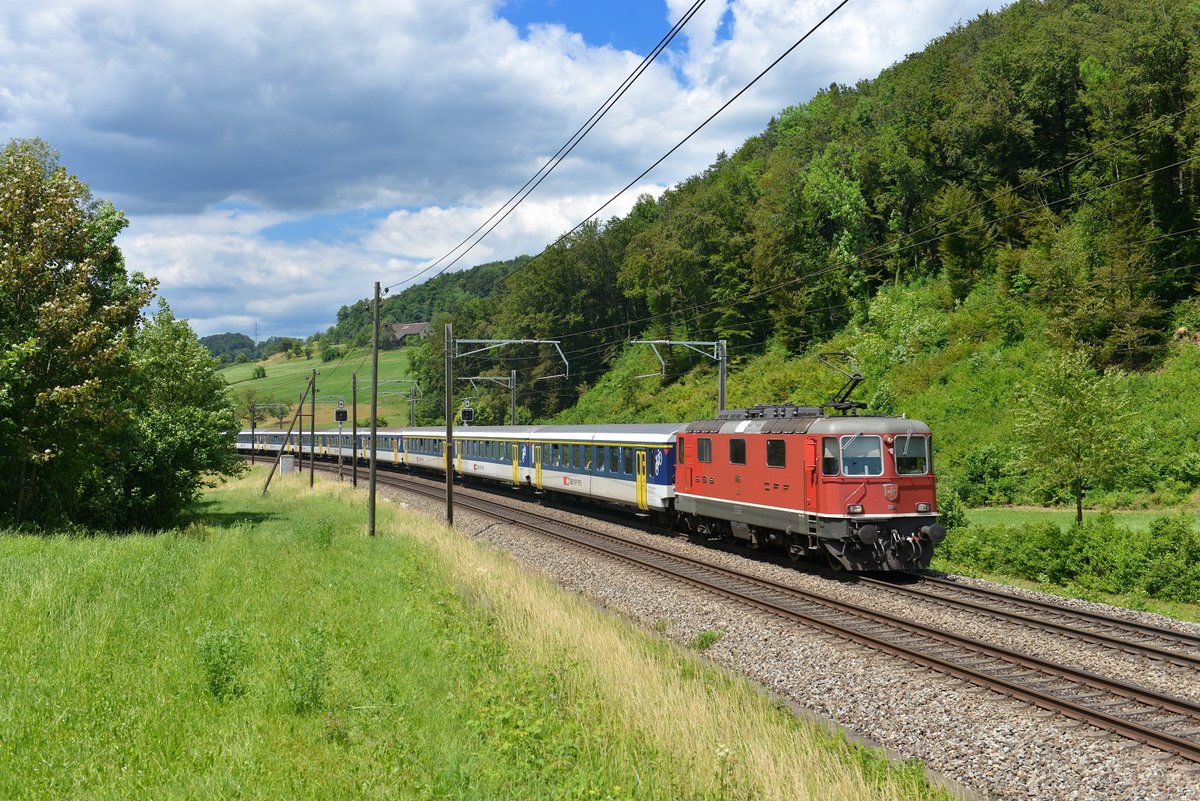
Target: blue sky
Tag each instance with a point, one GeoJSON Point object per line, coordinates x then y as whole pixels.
{"type": "Point", "coordinates": [275, 159]}
{"type": "Point", "coordinates": [635, 25]}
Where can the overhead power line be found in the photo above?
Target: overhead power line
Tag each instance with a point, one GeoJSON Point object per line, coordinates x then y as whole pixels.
{"type": "Point", "coordinates": [681, 142]}
{"type": "Point", "coordinates": [565, 150]}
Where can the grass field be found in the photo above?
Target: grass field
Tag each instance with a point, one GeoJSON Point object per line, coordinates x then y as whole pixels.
{"type": "Point", "coordinates": [1064, 517]}
{"type": "Point", "coordinates": [287, 378]}
{"type": "Point", "coordinates": [271, 650]}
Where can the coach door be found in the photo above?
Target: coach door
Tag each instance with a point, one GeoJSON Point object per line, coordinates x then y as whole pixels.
{"type": "Point", "coordinates": [537, 465]}
{"type": "Point", "coordinates": [810, 473]}
{"type": "Point", "coordinates": [640, 456]}
{"type": "Point", "coordinates": [516, 460]}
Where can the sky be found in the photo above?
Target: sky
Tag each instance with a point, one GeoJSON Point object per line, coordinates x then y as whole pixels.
{"type": "Point", "coordinates": [275, 159]}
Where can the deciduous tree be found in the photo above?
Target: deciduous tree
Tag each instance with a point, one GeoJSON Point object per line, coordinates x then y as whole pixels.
{"type": "Point", "coordinates": [67, 309]}
{"type": "Point", "coordinates": [103, 420]}
{"type": "Point", "coordinates": [1074, 426]}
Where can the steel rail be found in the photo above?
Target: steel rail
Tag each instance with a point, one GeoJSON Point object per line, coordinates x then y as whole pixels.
{"type": "Point", "coordinates": [1083, 614]}
{"type": "Point", "coordinates": [1122, 644]}
{"type": "Point", "coordinates": [666, 563]}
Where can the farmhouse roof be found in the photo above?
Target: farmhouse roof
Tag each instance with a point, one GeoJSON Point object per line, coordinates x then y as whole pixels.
{"type": "Point", "coordinates": [411, 329]}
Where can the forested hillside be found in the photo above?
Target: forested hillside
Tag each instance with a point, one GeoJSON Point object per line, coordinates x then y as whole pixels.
{"type": "Point", "coordinates": [988, 226]}
{"type": "Point", "coordinates": [419, 304]}
{"type": "Point", "coordinates": [228, 347]}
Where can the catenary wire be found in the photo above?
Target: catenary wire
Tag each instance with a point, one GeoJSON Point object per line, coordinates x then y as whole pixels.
{"type": "Point", "coordinates": [565, 150]}
{"type": "Point", "coordinates": [676, 147]}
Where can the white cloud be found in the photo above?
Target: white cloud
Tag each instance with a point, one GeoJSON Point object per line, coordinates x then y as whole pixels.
{"type": "Point", "coordinates": [434, 112]}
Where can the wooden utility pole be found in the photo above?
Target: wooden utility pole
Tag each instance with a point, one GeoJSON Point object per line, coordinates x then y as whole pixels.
{"type": "Point", "coordinates": [312, 429]}
{"type": "Point", "coordinates": [354, 427]}
{"type": "Point", "coordinates": [286, 438]}
{"type": "Point", "coordinates": [374, 411]}
{"type": "Point", "coordinates": [449, 424]}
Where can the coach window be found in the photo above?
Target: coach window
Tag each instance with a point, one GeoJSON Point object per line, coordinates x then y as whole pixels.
{"type": "Point", "coordinates": [614, 456]}
{"type": "Point", "coordinates": [704, 449]}
{"type": "Point", "coordinates": [912, 455]}
{"type": "Point", "coordinates": [737, 451]}
{"type": "Point", "coordinates": [862, 456]}
{"type": "Point", "coordinates": [829, 456]}
{"type": "Point", "coordinates": [776, 453]}
{"type": "Point", "coordinates": [628, 460]}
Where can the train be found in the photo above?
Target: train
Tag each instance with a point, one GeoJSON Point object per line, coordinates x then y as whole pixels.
{"type": "Point", "coordinates": [854, 491]}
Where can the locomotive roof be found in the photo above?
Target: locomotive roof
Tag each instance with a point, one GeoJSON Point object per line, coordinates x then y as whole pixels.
{"type": "Point", "coordinates": [811, 425]}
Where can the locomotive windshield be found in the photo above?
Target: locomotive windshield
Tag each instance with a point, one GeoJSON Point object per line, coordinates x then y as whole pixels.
{"type": "Point", "coordinates": [912, 455]}
{"type": "Point", "coordinates": [862, 455]}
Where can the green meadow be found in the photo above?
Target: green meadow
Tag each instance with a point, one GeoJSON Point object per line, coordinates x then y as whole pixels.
{"type": "Point", "coordinates": [1064, 517]}
{"type": "Point", "coordinates": [286, 379]}
{"type": "Point", "coordinates": [272, 650]}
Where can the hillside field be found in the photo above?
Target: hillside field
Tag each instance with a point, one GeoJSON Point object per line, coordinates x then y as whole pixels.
{"type": "Point", "coordinates": [287, 378]}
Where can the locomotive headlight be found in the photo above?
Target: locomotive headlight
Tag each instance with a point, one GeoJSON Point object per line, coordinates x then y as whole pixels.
{"type": "Point", "coordinates": [854, 509]}
{"type": "Point", "coordinates": [922, 507]}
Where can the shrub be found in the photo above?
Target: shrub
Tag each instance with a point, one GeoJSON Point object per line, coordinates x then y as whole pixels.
{"type": "Point", "coordinates": [223, 655]}
{"type": "Point", "coordinates": [952, 512]}
{"type": "Point", "coordinates": [1098, 556]}
{"type": "Point", "coordinates": [306, 671]}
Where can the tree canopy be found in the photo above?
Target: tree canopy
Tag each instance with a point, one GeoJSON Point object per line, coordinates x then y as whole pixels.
{"type": "Point", "coordinates": [92, 396]}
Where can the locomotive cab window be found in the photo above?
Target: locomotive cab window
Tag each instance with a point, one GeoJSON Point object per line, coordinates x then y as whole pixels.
{"type": "Point", "coordinates": [679, 445]}
{"type": "Point", "coordinates": [862, 456]}
{"type": "Point", "coordinates": [776, 453]}
{"type": "Point", "coordinates": [737, 451]}
{"type": "Point", "coordinates": [829, 456]}
{"type": "Point", "coordinates": [912, 455]}
{"type": "Point", "coordinates": [704, 449]}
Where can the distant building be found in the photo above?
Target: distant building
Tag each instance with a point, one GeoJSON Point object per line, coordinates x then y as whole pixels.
{"type": "Point", "coordinates": [402, 331]}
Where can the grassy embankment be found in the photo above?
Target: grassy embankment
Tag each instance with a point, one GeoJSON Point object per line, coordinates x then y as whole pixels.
{"type": "Point", "coordinates": [271, 650]}
{"type": "Point", "coordinates": [287, 378]}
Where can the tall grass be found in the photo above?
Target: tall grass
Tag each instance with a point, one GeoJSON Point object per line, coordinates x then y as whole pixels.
{"type": "Point", "coordinates": [272, 650]}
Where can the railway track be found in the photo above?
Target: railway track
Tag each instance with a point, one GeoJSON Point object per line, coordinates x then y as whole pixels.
{"type": "Point", "coordinates": [1159, 720]}
{"type": "Point", "coordinates": [1130, 637]}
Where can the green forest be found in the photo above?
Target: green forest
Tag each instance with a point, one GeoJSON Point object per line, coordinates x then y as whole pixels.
{"type": "Point", "coordinates": [1002, 229]}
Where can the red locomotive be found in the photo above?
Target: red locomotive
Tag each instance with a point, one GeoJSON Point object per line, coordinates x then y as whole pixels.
{"type": "Point", "coordinates": [857, 490]}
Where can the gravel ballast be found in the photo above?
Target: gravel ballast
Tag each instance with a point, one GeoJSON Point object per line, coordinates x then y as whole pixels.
{"type": "Point", "coordinates": [995, 747]}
